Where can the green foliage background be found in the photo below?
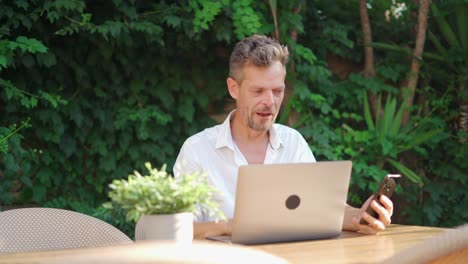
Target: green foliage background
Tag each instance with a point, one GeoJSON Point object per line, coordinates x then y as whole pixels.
{"type": "Point", "coordinates": [90, 90]}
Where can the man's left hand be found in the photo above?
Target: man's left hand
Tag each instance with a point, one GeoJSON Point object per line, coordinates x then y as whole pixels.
{"type": "Point", "coordinates": [384, 212]}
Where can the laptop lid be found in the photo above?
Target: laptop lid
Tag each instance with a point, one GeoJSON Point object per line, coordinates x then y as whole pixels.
{"type": "Point", "coordinates": [288, 202]}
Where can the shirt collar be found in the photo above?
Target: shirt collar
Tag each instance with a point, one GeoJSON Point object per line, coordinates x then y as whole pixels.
{"type": "Point", "coordinates": [225, 136]}
{"type": "Point", "coordinates": [275, 140]}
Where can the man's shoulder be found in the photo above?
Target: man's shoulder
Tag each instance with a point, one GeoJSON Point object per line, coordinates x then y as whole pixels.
{"type": "Point", "coordinates": [207, 135]}
{"type": "Point", "coordinates": [283, 130]}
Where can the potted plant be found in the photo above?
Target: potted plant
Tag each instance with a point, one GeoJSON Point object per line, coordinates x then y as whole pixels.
{"type": "Point", "coordinates": [162, 205]}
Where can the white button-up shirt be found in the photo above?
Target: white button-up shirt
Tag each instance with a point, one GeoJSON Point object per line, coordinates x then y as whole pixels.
{"type": "Point", "coordinates": [214, 152]}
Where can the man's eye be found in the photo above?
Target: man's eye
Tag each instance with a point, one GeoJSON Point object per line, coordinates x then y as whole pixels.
{"type": "Point", "coordinates": [278, 91]}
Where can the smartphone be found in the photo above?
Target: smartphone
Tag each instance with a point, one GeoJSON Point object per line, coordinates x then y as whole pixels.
{"type": "Point", "coordinates": [386, 187]}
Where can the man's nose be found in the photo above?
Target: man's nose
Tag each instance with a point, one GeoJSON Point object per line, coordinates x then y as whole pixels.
{"type": "Point", "coordinates": [269, 98]}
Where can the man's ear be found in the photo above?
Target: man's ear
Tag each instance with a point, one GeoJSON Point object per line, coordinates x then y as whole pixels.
{"type": "Point", "coordinates": [233, 87]}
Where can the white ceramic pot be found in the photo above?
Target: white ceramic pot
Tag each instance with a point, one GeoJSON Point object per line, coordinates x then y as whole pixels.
{"type": "Point", "coordinates": [170, 227]}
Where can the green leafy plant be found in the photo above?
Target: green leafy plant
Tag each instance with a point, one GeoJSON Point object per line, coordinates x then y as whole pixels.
{"type": "Point", "coordinates": [160, 193]}
{"type": "Point", "coordinates": [386, 138]}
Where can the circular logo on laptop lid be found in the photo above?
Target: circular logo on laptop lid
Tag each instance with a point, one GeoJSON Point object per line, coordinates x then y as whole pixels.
{"type": "Point", "coordinates": [293, 202]}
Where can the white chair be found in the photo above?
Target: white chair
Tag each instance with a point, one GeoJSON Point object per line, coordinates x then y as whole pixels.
{"type": "Point", "coordinates": [449, 247]}
{"type": "Point", "coordinates": [37, 229]}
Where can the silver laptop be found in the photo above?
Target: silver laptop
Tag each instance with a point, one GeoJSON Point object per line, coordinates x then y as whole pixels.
{"type": "Point", "coordinates": [289, 202]}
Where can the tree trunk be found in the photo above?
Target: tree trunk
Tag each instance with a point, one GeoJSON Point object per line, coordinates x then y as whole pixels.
{"type": "Point", "coordinates": [369, 69]}
{"type": "Point", "coordinates": [293, 115]}
{"type": "Point", "coordinates": [274, 13]}
{"type": "Point", "coordinates": [410, 88]}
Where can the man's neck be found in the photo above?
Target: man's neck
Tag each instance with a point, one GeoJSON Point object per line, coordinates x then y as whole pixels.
{"type": "Point", "coordinates": [252, 144]}
{"type": "Point", "coordinates": [243, 134]}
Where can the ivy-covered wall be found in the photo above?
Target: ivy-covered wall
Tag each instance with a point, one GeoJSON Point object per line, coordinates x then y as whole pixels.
{"type": "Point", "coordinates": [90, 90]}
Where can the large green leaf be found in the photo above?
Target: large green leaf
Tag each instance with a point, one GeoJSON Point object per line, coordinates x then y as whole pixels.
{"type": "Point", "coordinates": [367, 113]}
{"type": "Point", "coordinates": [396, 125]}
{"type": "Point", "coordinates": [411, 175]}
{"type": "Point", "coordinates": [406, 50]}
{"type": "Point", "coordinates": [455, 34]}
{"type": "Point", "coordinates": [419, 138]}
{"type": "Point", "coordinates": [445, 28]}
{"type": "Point", "coordinates": [387, 116]}
{"type": "Point", "coordinates": [440, 48]}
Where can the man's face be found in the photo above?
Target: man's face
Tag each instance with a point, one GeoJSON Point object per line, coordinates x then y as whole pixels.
{"type": "Point", "coordinates": [259, 95]}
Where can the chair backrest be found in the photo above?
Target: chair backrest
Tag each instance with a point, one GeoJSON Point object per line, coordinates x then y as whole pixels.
{"type": "Point", "coordinates": [449, 247]}
{"type": "Point", "coordinates": [36, 229]}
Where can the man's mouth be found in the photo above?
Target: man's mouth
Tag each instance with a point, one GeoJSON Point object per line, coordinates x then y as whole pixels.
{"type": "Point", "coordinates": [264, 114]}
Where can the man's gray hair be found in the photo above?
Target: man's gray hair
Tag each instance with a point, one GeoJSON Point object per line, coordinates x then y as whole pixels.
{"type": "Point", "coordinates": [257, 50]}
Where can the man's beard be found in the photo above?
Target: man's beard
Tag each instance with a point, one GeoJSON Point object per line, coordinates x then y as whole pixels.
{"type": "Point", "coordinates": [261, 127]}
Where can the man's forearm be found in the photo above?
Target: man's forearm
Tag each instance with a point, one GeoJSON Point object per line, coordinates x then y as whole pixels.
{"type": "Point", "coordinates": [205, 229]}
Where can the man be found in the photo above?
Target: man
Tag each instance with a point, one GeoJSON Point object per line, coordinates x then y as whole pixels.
{"type": "Point", "coordinates": [249, 136]}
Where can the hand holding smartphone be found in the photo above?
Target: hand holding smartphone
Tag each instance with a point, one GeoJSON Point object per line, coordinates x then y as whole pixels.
{"type": "Point", "coordinates": [386, 187]}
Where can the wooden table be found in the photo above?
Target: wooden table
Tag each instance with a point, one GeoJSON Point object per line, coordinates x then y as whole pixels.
{"type": "Point", "coordinates": [349, 247]}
